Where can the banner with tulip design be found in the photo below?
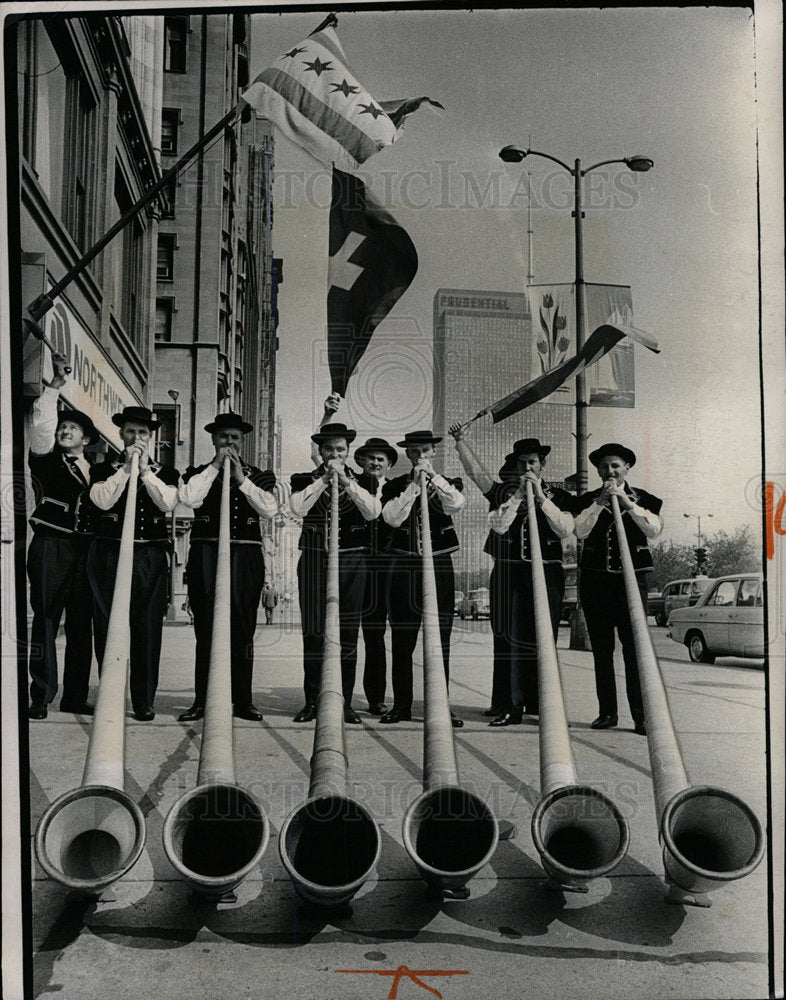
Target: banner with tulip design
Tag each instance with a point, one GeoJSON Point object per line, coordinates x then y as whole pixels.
{"type": "Point", "coordinates": [610, 382]}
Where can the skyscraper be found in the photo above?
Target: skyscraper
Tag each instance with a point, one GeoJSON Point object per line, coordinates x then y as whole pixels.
{"type": "Point", "coordinates": [482, 351]}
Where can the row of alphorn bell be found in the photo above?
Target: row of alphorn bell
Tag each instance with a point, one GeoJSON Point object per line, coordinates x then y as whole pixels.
{"type": "Point", "coordinates": [216, 834]}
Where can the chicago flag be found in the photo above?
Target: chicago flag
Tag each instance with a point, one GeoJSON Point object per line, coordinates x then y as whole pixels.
{"type": "Point", "coordinates": [372, 263]}
{"type": "Point", "coordinates": [311, 94]}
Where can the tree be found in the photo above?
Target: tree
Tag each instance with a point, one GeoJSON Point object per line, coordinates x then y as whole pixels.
{"type": "Point", "coordinates": [737, 553]}
{"type": "Point", "coordinates": [671, 562]}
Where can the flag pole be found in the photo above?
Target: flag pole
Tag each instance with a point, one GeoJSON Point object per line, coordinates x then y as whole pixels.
{"type": "Point", "coordinates": [41, 305]}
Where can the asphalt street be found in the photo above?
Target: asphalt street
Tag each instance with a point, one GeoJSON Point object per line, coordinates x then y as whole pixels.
{"type": "Point", "coordinates": [513, 936]}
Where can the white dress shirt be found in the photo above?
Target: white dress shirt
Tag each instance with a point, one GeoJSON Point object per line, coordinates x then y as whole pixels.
{"type": "Point", "coordinates": [651, 524]}
{"type": "Point", "coordinates": [561, 521]}
{"type": "Point", "coordinates": [193, 492]}
{"type": "Point", "coordinates": [396, 511]}
{"type": "Point", "coordinates": [105, 495]}
{"type": "Point", "coordinates": [300, 503]}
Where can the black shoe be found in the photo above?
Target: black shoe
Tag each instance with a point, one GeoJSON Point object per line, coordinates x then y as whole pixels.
{"type": "Point", "coordinates": [248, 712]}
{"type": "Point", "coordinates": [511, 718]}
{"type": "Point", "coordinates": [37, 711]}
{"type": "Point", "coordinates": [456, 722]}
{"type": "Point", "coordinates": [640, 728]}
{"type": "Point", "coordinates": [604, 722]}
{"type": "Point", "coordinates": [78, 708]}
{"type": "Point", "coordinates": [192, 714]}
{"type": "Point", "coordinates": [351, 716]}
{"type": "Point", "coordinates": [376, 708]}
{"type": "Point", "coordinates": [494, 710]}
{"type": "Point", "coordinates": [397, 715]}
{"type": "Point", "coordinates": [306, 714]}
{"type": "Point", "coordinates": [144, 713]}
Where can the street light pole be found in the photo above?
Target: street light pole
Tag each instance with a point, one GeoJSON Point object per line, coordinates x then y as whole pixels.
{"type": "Point", "coordinates": [639, 164]}
{"type": "Point", "coordinates": [698, 517]}
{"type": "Point", "coordinates": [581, 383]}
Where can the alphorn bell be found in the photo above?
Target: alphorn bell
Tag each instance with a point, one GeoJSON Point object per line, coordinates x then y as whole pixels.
{"type": "Point", "coordinates": [449, 832]}
{"type": "Point", "coordinates": [91, 836]}
{"type": "Point", "coordinates": [709, 836]}
{"type": "Point", "coordinates": [216, 834]}
{"type": "Point", "coordinates": [578, 832]}
{"type": "Point", "coordinates": [330, 844]}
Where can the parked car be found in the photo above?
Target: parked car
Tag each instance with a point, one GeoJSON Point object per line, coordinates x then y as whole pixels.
{"type": "Point", "coordinates": [655, 606]}
{"type": "Point", "coordinates": [677, 594]}
{"type": "Point", "coordinates": [475, 604]}
{"type": "Point", "coordinates": [727, 620]}
{"type": "Point", "coordinates": [458, 600]}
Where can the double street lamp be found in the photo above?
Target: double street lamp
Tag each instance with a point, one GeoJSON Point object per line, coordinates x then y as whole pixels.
{"type": "Point", "coordinates": [639, 164]}
{"type": "Point", "coordinates": [701, 556]}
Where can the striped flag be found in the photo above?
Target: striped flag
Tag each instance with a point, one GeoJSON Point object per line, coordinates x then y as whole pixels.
{"type": "Point", "coordinates": [597, 345]}
{"type": "Point", "coordinates": [314, 98]}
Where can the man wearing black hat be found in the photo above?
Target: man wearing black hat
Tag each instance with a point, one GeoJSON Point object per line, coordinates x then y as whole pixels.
{"type": "Point", "coordinates": [156, 497]}
{"type": "Point", "coordinates": [602, 586]}
{"type": "Point", "coordinates": [358, 504]}
{"type": "Point", "coordinates": [402, 513]}
{"type": "Point", "coordinates": [56, 558]}
{"type": "Point", "coordinates": [250, 496]}
{"type": "Point", "coordinates": [509, 520]}
{"type": "Point", "coordinates": [375, 457]}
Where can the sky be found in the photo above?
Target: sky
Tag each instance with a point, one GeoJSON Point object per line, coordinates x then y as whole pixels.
{"type": "Point", "coordinates": [676, 85]}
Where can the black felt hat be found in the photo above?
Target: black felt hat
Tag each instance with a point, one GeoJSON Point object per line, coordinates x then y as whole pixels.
{"type": "Point", "coordinates": [225, 421]}
{"type": "Point", "coordinates": [526, 446]}
{"type": "Point", "coordinates": [612, 448]}
{"type": "Point", "coordinates": [328, 431]}
{"type": "Point", "coordinates": [87, 425]}
{"type": "Point", "coordinates": [378, 444]}
{"type": "Point", "coordinates": [137, 414]}
{"type": "Point", "coordinates": [418, 437]}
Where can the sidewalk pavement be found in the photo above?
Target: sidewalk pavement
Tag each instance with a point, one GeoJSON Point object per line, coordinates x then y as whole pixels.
{"type": "Point", "coordinates": [512, 937]}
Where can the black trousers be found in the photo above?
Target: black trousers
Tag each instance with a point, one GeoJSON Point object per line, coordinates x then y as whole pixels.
{"type": "Point", "coordinates": [520, 606]}
{"type": "Point", "coordinates": [312, 580]}
{"type": "Point", "coordinates": [58, 582]}
{"type": "Point", "coordinates": [606, 609]}
{"type": "Point", "coordinates": [148, 607]}
{"type": "Point", "coordinates": [247, 577]}
{"type": "Point", "coordinates": [500, 630]}
{"type": "Point", "coordinates": [375, 615]}
{"type": "Point", "coordinates": [405, 589]}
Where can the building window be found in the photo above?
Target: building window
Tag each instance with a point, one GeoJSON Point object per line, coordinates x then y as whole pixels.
{"type": "Point", "coordinates": [165, 309]}
{"type": "Point", "coordinates": [175, 45]}
{"type": "Point", "coordinates": [166, 413]}
{"type": "Point", "coordinates": [168, 196]}
{"type": "Point", "coordinates": [127, 267]}
{"type": "Point", "coordinates": [165, 261]}
{"type": "Point", "coordinates": [170, 123]}
{"type": "Point", "coordinates": [79, 162]}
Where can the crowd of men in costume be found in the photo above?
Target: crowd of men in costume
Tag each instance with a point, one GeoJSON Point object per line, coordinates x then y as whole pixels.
{"type": "Point", "coordinates": [78, 519]}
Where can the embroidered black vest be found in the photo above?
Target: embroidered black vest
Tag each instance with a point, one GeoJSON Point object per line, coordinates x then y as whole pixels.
{"type": "Point", "coordinates": [58, 488]}
{"type": "Point", "coordinates": [515, 544]}
{"type": "Point", "coordinates": [150, 525]}
{"type": "Point", "coordinates": [600, 549]}
{"type": "Point", "coordinates": [353, 529]}
{"type": "Point", "coordinates": [406, 538]}
{"type": "Point", "coordinates": [243, 519]}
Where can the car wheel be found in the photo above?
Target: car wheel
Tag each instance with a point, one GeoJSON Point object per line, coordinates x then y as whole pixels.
{"type": "Point", "coordinates": [697, 649]}
{"type": "Point", "coordinates": [462, 616]}
{"type": "Point", "coordinates": [474, 614]}
{"type": "Point", "coordinates": [660, 618]}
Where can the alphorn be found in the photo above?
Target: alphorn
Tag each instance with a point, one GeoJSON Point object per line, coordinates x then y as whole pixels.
{"type": "Point", "coordinates": [579, 833]}
{"type": "Point", "coordinates": [330, 844]}
{"type": "Point", "coordinates": [216, 834]}
{"type": "Point", "coordinates": [91, 836]}
{"type": "Point", "coordinates": [449, 832]}
{"type": "Point", "coordinates": [709, 836]}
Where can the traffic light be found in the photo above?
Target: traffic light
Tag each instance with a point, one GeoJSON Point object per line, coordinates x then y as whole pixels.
{"type": "Point", "coordinates": [701, 556]}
